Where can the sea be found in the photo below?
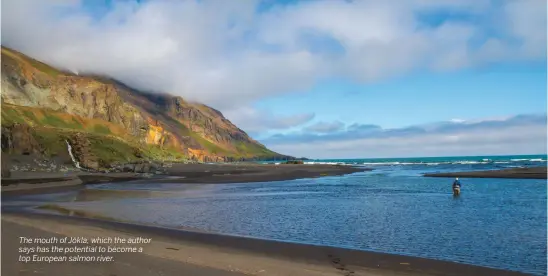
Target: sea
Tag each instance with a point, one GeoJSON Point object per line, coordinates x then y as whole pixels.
{"type": "Point", "coordinates": [499, 223]}
{"type": "Point", "coordinates": [451, 163]}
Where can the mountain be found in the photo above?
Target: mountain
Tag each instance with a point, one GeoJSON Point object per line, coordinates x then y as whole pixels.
{"type": "Point", "coordinates": [44, 109]}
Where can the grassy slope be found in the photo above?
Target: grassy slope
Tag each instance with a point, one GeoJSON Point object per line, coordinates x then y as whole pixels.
{"type": "Point", "coordinates": [240, 148]}
{"type": "Point", "coordinates": [40, 66]}
{"type": "Point", "coordinates": [109, 142]}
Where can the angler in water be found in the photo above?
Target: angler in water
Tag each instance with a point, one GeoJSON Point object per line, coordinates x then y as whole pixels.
{"type": "Point", "coordinates": [456, 187]}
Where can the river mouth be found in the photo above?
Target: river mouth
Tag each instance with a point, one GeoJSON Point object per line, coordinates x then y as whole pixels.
{"type": "Point", "coordinates": [393, 213]}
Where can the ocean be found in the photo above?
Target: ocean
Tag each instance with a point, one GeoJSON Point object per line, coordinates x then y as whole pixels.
{"type": "Point", "coordinates": [498, 223]}
{"type": "Point", "coordinates": [494, 161]}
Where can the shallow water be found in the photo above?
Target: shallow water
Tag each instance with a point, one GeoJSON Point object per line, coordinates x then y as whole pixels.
{"type": "Point", "coordinates": [498, 223]}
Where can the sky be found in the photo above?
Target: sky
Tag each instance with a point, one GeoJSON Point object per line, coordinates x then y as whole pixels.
{"type": "Point", "coordinates": [320, 79]}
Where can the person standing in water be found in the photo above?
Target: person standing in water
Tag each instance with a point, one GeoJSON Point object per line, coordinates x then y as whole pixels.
{"type": "Point", "coordinates": [456, 183]}
{"type": "Point", "coordinates": [456, 187]}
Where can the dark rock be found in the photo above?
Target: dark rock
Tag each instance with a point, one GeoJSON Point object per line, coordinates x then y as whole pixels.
{"type": "Point", "coordinates": [5, 167]}
{"type": "Point", "coordinates": [138, 153]}
{"type": "Point", "coordinates": [19, 139]}
{"type": "Point", "coordinates": [139, 168]}
{"type": "Point", "coordinates": [128, 168]}
{"type": "Point", "coordinates": [81, 149]}
{"type": "Point", "coordinates": [296, 162]}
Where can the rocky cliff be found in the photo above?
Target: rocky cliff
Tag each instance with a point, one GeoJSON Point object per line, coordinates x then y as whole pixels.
{"type": "Point", "coordinates": [84, 109]}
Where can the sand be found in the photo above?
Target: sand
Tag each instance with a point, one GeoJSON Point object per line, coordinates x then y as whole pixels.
{"type": "Point", "coordinates": [38, 183]}
{"type": "Point", "coordinates": [176, 252]}
{"type": "Point", "coordinates": [244, 173]}
{"type": "Point", "coordinates": [524, 173]}
{"type": "Point", "coordinates": [42, 182]}
{"type": "Point", "coordinates": [134, 264]}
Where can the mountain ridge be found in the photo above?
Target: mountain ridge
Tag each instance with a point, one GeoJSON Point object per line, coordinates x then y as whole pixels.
{"type": "Point", "coordinates": [150, 120]}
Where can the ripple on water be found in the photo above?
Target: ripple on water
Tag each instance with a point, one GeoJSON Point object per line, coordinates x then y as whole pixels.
{"type": "Point", "coordinates": [496, 223]}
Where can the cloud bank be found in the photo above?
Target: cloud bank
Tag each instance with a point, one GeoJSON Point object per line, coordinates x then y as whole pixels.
{"type": "Point", "coordinates": [256, 122]}
{"type": "Point", "coordinates": [231, 53]}
{"type": "Point", "coordinates": [522, 134]}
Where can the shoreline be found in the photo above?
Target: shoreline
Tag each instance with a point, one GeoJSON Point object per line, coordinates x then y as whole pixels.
{"type": "Point", "coordinates": [47, 182]}
{"type": "Point", "coordinates": [296, 258]}
{"type": "Point", "coordinates": [517, 173]}
{"type": "Point", "coordinates": [44, 183]}
{"type": "Point", "coordinates": [247, 173]}
{"type": "Point", "coordinates": [249, 255]}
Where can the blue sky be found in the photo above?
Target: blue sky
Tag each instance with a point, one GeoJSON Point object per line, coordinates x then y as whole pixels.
{"type": "Point", "coordinates": [287, 70]}
{"type": "Point", "coordinates": [495, 91]}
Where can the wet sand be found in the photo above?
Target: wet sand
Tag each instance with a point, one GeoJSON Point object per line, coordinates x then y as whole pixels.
{"type": "Point", "coordinates": [25, 183]}
{"type": "Point", "coordinates": [125, 265]}
{"type": "Point", "coordinates": [176, 252]}
{"type": "Point", "coordinates": [39, 183]}
{"type": "Point", "coordinates": [244, 173]}
{"type": "Point", "coordinates": [525, 173]}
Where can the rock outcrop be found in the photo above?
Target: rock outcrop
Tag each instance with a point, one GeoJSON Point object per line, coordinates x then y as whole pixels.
{"type": "Point", "coordinates": [294, 162]}
{"type": "Point", "coordinates": [146, 167]}
{"type": "Point", "coordinates": [19, 139]}
{"type": "Point", "coordinates": [81, 149]}
{"type": "Point", "coordinates": [6, 168]}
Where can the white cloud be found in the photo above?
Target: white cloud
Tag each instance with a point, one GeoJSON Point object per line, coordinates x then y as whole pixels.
{"type": "Point", "coordinates": [525, 19]}
{"type": "Point", "coordinates": [515, 140]}
{"type": "Point", "coordinates": [325, 127]}
{"type": "Point", "coordinates": [256, 121]}
{"type": "Point", "coordinates": [523, 134]}
{"type": "Point", "coordinates": [225, 54]}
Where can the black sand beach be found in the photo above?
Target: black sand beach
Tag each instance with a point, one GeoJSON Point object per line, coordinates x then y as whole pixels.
{"type": "Point", "coordinates": [180, 252]}
{"type": "Point", "coordinates": [244, 173]}
{"type": "Point", "coordinates": [525, 173]}
{"type": "Point", "coordinates": [125, 265]}
{"type": "Point", "coordinates": [41, 182]}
